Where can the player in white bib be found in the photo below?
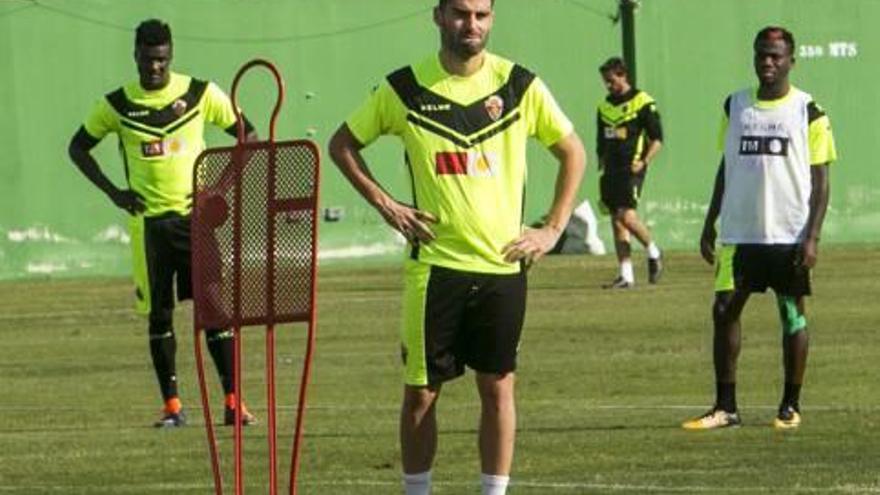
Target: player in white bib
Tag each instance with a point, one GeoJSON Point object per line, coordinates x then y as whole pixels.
{"type": "Point", "coordinates": [771, 194]}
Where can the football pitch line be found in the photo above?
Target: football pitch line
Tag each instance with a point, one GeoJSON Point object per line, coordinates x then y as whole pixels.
{"type": "Point", "coordinates": [544, 486]}
{"type": "Point", "coordinates": [130, 311]}
{"type": "Point", "coordinates": [573, 404]}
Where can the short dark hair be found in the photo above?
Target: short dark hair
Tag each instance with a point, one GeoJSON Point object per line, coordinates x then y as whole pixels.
{"type": "Point", "coordinates": [615, 65]}
{"type": "Point", "coordinates": [442, 3]}
{"type": "Point", "coordinates": [771, 33]}
{"type": "Point", "coordinates": [153, 32]}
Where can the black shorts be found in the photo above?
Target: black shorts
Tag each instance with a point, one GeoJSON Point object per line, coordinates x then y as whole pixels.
{"type": "Point", "coordinates": [620, 190]}
{"type": "Point", "coordinates": [168, 258]}
{"type": "Point", "coordinates": [454, 319]}
{"type": "Point", "coordinates": [759, 266]}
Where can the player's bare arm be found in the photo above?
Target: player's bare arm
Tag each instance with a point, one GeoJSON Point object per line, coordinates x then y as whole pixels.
{"type": "Point", "coordinates": [654, 147]}
{"type": "Point", "coordinates": [413, 224]}
{"type": "Point", "coordinates": [534, 243]}
{"type": "Point", "coordinates": [80, 152]}
{"type": "Point", "coordinates": [819, 196]}
{"type": "Point", "coordinates": [707, 238]}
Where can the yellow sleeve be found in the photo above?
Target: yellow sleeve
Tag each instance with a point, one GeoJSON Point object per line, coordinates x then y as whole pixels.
{"type": "Point", "coordinates": [218, 107]}
{"type": "Point", "coordinates": [102, 120]}
{"type": "Point", "coordinates": [379, 114]}
{"type": "Point", "coordinates": [546, 120]}
{"type": "Point", "coordinates": [822, 148]}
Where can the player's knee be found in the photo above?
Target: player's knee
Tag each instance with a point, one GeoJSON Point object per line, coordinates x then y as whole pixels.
{"type": "Point", "coordinates": [218, 334]}
{"type": "Point", "coordinates": [496, 391]}
{"type": "Point", "coordinates": [790, 315]}
{"type": "Point", "coordinates": [417, 401]}
{"type": "Point", "coordinates": [721, 311]}
{"type": "Point", "coordinates": [161, 323]}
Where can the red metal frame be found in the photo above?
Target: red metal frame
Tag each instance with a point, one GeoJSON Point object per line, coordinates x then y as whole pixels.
{"type": "Point", "coordinates": [239, 154]}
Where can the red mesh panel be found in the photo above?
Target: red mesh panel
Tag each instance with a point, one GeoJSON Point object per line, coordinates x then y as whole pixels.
{"type": "Point", "coordinates": [253, 234]}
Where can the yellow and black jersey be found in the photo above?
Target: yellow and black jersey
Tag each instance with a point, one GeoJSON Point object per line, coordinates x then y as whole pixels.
{"type": "Point", "coordinates": [622, 124]}
{"type": "Point", "coordinates": [160, 135]}
{"type": "Point", "coordinates": [465, 141]}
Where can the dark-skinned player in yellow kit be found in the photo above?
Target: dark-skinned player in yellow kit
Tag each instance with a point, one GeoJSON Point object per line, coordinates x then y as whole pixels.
{"type": "Point", "coordinates": [160, 121]}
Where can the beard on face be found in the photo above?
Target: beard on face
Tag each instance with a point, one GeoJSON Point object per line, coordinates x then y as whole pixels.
{"type": "Point", "coordinates": [462, 49]}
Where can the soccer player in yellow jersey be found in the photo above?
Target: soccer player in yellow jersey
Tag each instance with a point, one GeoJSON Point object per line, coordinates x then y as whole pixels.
{"type": "Point", "coordinates": [464, 116]}
{"type": "Point", "coordinates": [771, 193]}
{"type": "Point", "coordinates": [160, 121]}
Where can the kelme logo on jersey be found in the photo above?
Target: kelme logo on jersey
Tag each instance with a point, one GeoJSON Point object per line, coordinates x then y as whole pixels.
{"type": "Point", "coordinates": [435, 107]}
{"type": "Point", "coordinates": [763, 145]}
{"type": "Point", "coordinates": [494, 107]}
{"type": "Point", "coordinates": [470, 163]}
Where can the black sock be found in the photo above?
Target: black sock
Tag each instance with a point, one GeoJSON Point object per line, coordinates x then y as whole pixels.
{"type": "Point", "coordinates": [163, 349]}
{"type": "Point", "coordinates": [792, 395]}
{"type": "Point", "coordinates": [220, 345]}
{"type": "Point", "coordinates": [725, 396]}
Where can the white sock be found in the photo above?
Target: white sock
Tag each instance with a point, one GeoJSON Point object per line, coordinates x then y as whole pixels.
{"type": "Point", "coordinates": [494, 484]}
{"type": "Point", "coordinates": [626, 270]}
{"type": "Point", "coordinates": [418, 483]}
{"type": "Point", "coordinates": [653, 251]}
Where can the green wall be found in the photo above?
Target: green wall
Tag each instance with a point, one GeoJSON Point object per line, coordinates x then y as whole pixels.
{"type": "Point", "coordinates": [59, 56]}
{"type": "Point", "coordinates": [693, 53]}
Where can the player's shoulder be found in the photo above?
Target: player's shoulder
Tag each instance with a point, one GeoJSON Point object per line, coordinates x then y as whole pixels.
{"type": "Point", "coordinates": [508, 70]}
{"type": "Point", "coordinates": [643, 96]}
{"type": "Point", "coordinates": [196, 86]}
{"type": "Point", "coordinates": [744, 96]}
{"type": "Point", "coordinates": [814, 110]}
{"type": "Point", "coordinates": [642, 100]}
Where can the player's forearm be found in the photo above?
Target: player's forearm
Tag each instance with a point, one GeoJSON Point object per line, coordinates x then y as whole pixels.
{"type": "Point", "coordinates": [345, 153]}
{"type": "Point", "coordinates": [717, 194]}
{"type": "Point", "coordinates": [654, 147]}
{"type": "Point", "coordinates": [819, 197]}
{"type": "Point", "coordinates": [572, 161]}
{"type": "Point", "coordinates": [86, 164]}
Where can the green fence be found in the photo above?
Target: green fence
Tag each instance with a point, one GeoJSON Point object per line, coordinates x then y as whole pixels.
{"type": "Point", "coordinates": [693, 53]}
{"type": "Point", "coordinates": [59, 56]}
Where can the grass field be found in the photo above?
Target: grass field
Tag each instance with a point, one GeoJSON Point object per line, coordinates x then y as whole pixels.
{"type": "Point", "coordinates": [604, 381]}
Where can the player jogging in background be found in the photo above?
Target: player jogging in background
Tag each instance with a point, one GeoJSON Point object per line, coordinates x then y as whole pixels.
{"type": "Point", "coordinates": [628, 137]}
{"type": "Point", "coordinates": [771, 193]}
{"type": "Point", "coordinates": [464, 116]}
{"type": "Point", "coordinates": [160, 121]}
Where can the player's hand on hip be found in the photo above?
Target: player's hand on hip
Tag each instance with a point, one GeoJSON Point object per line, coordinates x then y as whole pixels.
{"type": "Point", "coordinates": [130, 201]}
{"type": "Point", "coordinates": [531, 245]}
{"type": "Point", "coordinates": [412, 223]}
{"type": "Point", "coordinates": [707, 244]}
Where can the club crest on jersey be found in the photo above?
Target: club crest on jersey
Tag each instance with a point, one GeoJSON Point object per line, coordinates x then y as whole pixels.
{"type": "Point", "coordinates": [179, 107]}
{"type": "Point", "coordinates": [470, 163]}
{"type": "Point", "coordinates": [494, 107]}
